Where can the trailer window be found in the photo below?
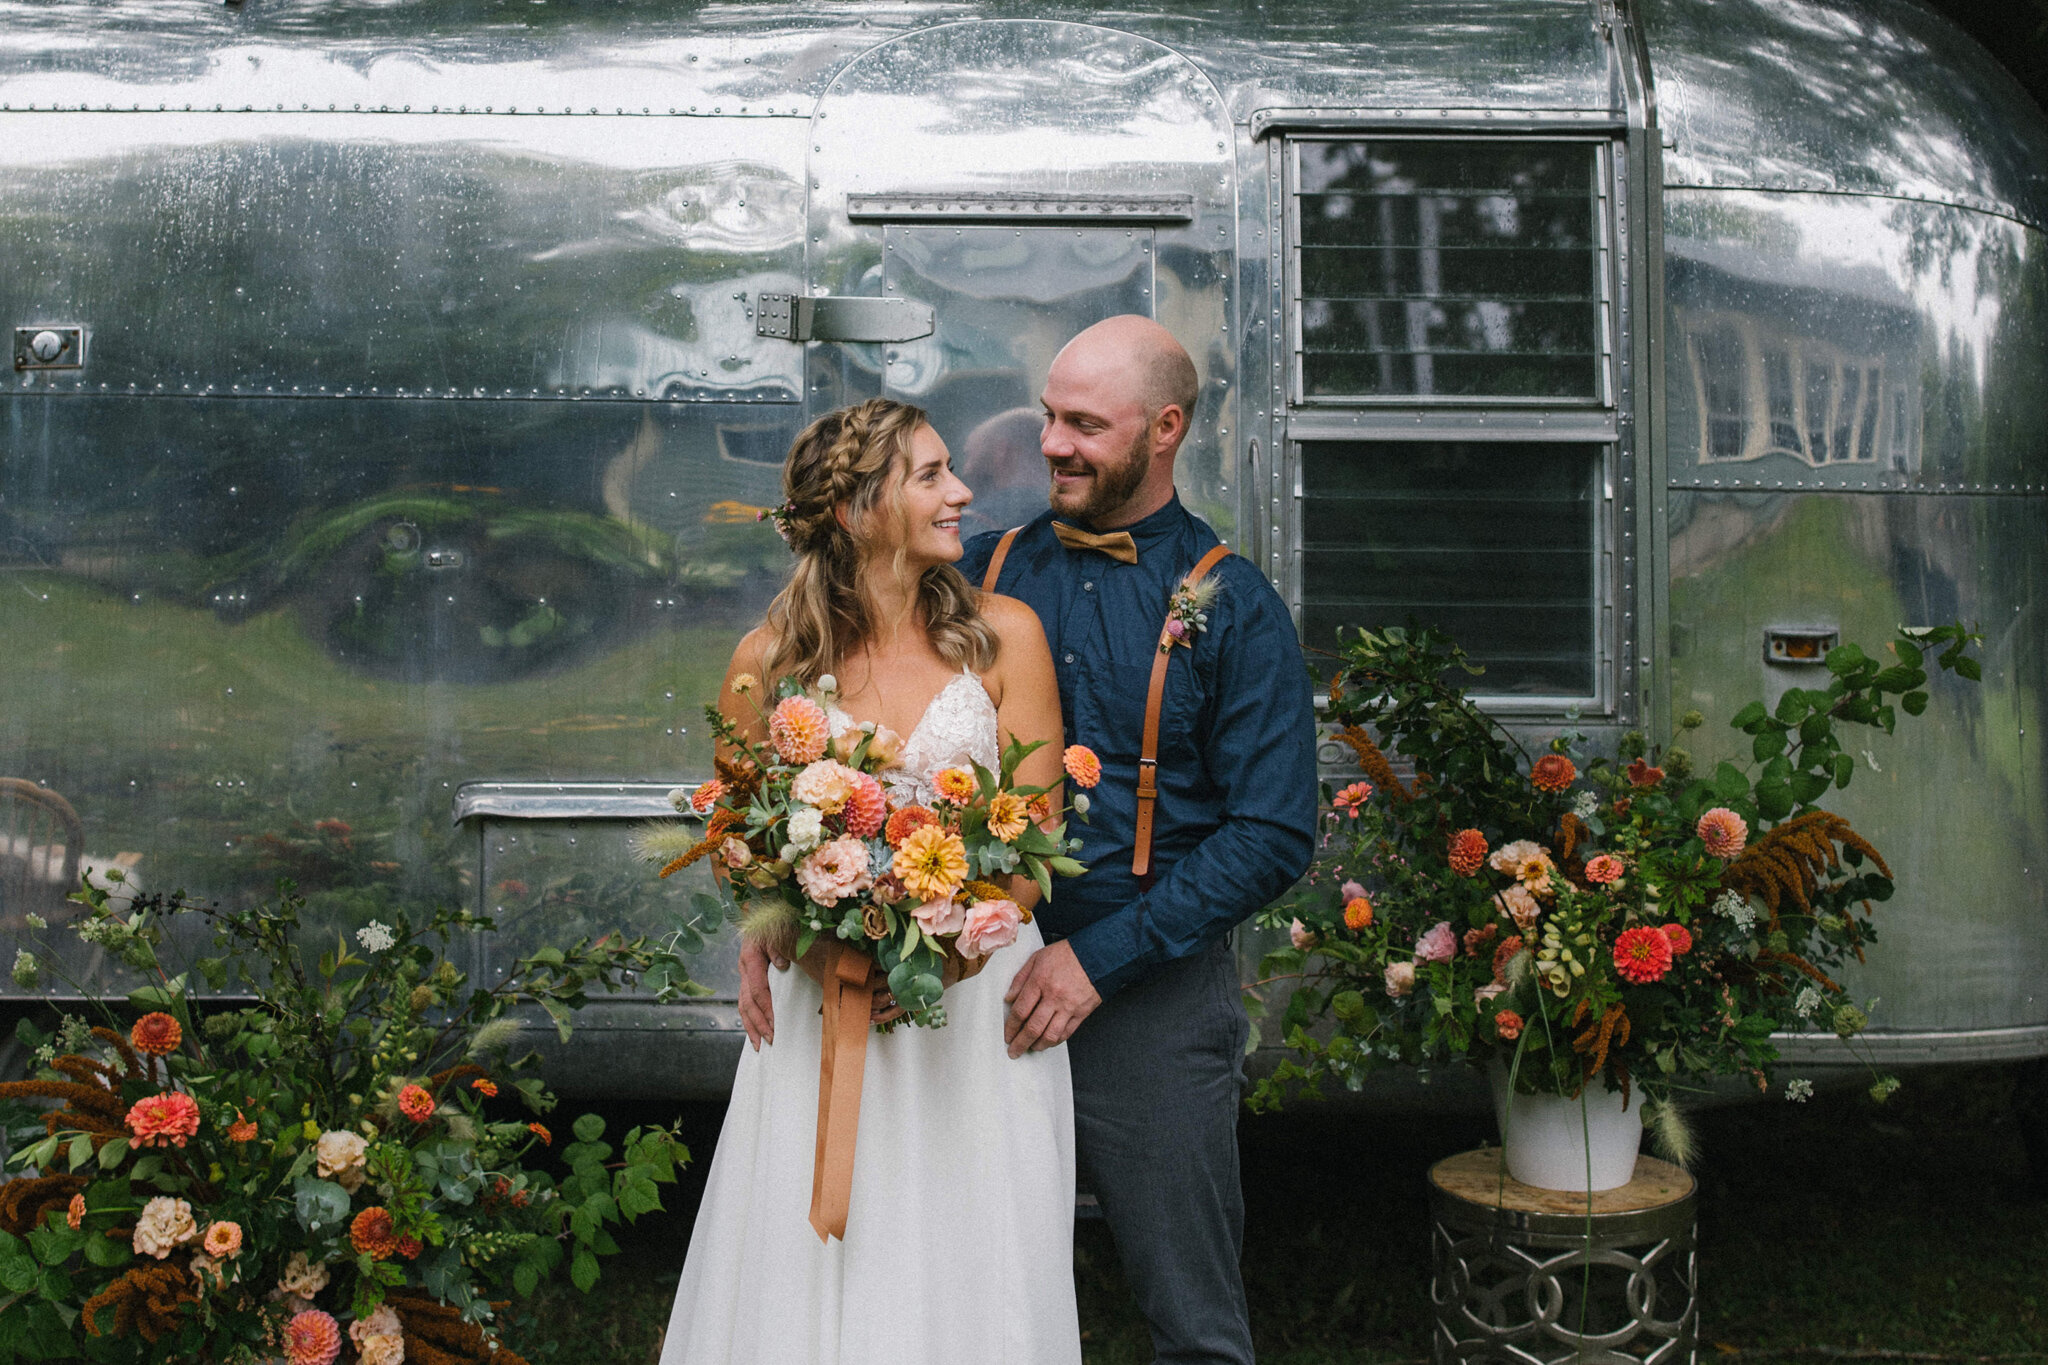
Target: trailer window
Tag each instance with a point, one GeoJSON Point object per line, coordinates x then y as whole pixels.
{"type": "Point", "coordinates": [1448, 269]}
{"type": "Point", "coordinates": [1495, 542]}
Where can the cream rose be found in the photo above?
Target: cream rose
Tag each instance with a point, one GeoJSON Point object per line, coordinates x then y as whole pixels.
{"type": "Point", "coordinates": [1400, 978]}
{"type": "Point", "coordinates": [165, 1224]}
{"type": "Point", "coordinates": [886, 748]}
{"type": "Point", "coordinates": [386, 1348]}
{"type": "Point", "coordinates": [302, 1278]}
{"type": "Point", "coordinates": [825, 784]}
{"type": "Point", "coordinates": [339, 1156]}
{"type": "Point", "coordinates": [806, 828]}
{"type": "Point", "coordinates": [990, 925]}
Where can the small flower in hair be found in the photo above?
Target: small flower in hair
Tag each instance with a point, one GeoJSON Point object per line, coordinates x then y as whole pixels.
{"type": "Point", "coordinates": [781, 516]}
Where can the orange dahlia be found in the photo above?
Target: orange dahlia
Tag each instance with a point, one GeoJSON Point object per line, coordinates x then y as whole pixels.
{"type": "Point", "coordinates": [156, 1034]}
{"type": "Point", "coordinates": [1507, 1025]}
{"type": "Point", "coordinates": [1553, 773]}
{"type": "Point", "coordinates": [798, 730]}
{"type": "Point", "coordinates": [373, 1233]}
{"type": "Point", "coordinates": [540, 1131]}
{"type": "Point", "coordinates": [866, 809]}
{"type": "Point", "coordinates": [164, 1120]}
{"type": "Point", "coordinates": [907, 822]}
{"type": "Point", "coordinates": [1723, 832]}
{"type": "Point", "coordinates": [1352, 799]}
{"type": "Point", "coordinates": [932, 863]}
{"type": "Point", "coordinates": [1468, 852]}
{"type": "Point", "coordinates": [1604, 870]}
{"type": "Point", "coordinates": [706, 796]}
{"type": "Point", "coordinates": [1082, 765]}
{"type": "Point", "coordinates": [416, 1104]}
{"type": "Point", "coordinates": [485, 1086]}
{"type": "Point", "coordinates": [1007, 817]}
{"type": "Point", "coordinates": [1681, 939]}
{"type": "Point", "coordinates": [312, 1338]}
{"type": "Point", "coordinates": [956, 785]}
{"type": "Point", "coordinates": [1642, 954]}
{"type": "Point", "coordinates": [1358, 913]}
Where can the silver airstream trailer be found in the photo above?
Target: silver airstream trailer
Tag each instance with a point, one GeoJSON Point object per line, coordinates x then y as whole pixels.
{"type": "Point", "coordinates": [394, 389]}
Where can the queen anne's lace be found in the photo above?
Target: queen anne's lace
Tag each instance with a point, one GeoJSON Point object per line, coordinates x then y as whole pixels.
{"type": "Point", "coordinates": [958, 727]}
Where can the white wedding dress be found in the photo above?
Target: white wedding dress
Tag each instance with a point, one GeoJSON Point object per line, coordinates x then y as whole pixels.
{"type": "Point", "coordinates": [959, 1237]}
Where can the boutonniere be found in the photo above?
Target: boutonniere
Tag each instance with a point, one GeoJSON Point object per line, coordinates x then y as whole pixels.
{"type": "Point", "coordinates": [1187, 613]}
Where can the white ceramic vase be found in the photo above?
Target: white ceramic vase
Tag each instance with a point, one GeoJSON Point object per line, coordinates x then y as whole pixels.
{"type": "Point", "coordinates": [1548, 1137]}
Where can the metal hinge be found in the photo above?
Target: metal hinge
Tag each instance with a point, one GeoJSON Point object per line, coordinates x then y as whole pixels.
{"type": "Point", "coordinates": [797, 317]}
{"type": "Point", "coordinates": [49, 348]}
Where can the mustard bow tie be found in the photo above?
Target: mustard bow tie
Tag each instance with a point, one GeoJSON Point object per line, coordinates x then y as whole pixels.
{"type": "Point", "coordinates": [1118, 545]}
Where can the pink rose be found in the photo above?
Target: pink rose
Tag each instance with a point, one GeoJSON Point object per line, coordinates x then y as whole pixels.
{"type": "Point", "coordinates": [990, 925]}
{"type": "Point", "coordinates": [1400, 978]}
{"type": "Point", "coordinates": [1440, 944]}
{"type": "Point", "coordinates": [1301, 936]}
{"type": "Point", "coordinates": [838, 869]}
{"type": "Point", "coordinates": [941, 917]}
{"type": "Point", "coordinates": [1349, 892]}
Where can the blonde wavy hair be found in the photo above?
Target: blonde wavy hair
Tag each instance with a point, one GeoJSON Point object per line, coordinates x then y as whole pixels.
{"type": "Point", "coordinates": [859, 457]}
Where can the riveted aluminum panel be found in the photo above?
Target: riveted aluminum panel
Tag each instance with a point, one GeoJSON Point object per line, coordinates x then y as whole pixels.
{"type": "Point", "coordinates": [416, 255]}
{"type": "Point", "coordinates": [1954, 801]}
{"type": "Point", "coordinates": [1849, 341]}
{"type": "Point", "coordinates": [1869, 96]}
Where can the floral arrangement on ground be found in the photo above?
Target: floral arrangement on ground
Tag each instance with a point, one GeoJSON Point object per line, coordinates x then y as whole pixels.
{"type": "Point", "coordinates": [1633, 922]}
{"type": "Point", "coordinates": [810, 843]}
{"type": "Point", "coordinates": [306, 1162]}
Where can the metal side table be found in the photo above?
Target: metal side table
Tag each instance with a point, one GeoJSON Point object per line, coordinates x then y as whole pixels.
{"type": "Point", "coordinates": [1511, 1267]}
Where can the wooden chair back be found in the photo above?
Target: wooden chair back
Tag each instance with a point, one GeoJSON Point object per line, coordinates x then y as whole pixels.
{"type": "Point", "coordinates": [41, 841]}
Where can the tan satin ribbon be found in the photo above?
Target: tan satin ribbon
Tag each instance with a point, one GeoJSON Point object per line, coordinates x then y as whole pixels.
{"type": "Point", "coordinates": [849, 1000]}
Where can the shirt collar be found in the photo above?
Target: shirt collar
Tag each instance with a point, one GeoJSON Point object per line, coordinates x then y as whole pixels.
{"type": "Point", "coordinates": [1155, 527]}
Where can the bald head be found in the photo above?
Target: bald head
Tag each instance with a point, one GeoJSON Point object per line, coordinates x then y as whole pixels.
{"type": "Point", "coordinates": [1144, 356]}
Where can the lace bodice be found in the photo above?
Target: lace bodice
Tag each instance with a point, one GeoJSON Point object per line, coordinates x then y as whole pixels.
{"type": "Point", "coordinates": [958, 726]}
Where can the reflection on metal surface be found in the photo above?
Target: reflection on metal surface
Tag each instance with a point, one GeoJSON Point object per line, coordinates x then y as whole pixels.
{"type": "Point", "coordinates": [49, 348]}
{"type": "Point", "coordinates": [794, 317]}
{"type": "Point", "coordinates": [566, 800]}
{"type": "Point", "coordinates": [1023, 208]}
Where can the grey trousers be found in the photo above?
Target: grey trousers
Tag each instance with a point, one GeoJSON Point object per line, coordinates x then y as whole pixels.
{"type": "Point", "coordinates": [1157, 1070]}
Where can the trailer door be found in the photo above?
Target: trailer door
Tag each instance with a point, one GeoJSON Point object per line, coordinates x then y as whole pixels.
{"type": "Point", "coordinates": [979, 192]}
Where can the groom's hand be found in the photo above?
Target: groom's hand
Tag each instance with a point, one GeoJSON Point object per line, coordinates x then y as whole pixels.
{"type": "Point", "coordinates": [757, 1007]}
{"type": "Point", "coordinates": [1048, 999]}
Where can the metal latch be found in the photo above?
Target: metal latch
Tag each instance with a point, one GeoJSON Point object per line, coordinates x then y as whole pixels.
{"type": "Point", "coordinates": [841, 317]}
{"type": "Point", "coordinates": [1799, 644]}
{"type": "Point", "coordinates": [49, 348]}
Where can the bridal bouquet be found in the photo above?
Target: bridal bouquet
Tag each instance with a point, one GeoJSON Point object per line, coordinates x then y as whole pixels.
{"type": "Point", "coordinates": [811, 844]}
{"type": "Point", "coordinates": [278, 1156]}
{"type": "Point", "coordinates": [1636, 922]}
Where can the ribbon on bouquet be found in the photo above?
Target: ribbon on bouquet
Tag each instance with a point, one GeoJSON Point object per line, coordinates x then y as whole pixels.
{"type": "Point", "coordinates": [842, 1056]}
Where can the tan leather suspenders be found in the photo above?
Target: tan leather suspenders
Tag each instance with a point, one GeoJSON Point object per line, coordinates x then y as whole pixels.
{"type": "Point", "coordinates": [1155, 700]}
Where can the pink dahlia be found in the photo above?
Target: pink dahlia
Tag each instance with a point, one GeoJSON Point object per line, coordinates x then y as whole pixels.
{"type": "Point", "coordinates": [312, 1338]}
{"type": "Point", "coordinates": [1681, 939]}
{"type": "Point", "coordinates": [1642, 954]}
{"type": "Point", "coordinates": [1723, 832]}
{"type": "Point", "coordinates": [798, 729]}
{"type": "Point", "coordinates": [866, 809]}
{"type": "Point", "coordinates": [1604, 870]}
{"type": "Point", "coordinates": [164, 1120]}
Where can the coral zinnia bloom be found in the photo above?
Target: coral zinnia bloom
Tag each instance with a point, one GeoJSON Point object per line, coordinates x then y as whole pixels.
{"type": "Point", "coordinates": [223, 1239]}
{"type": "Point", "coordinates": [866, 809]}
{"type": "Point", "coordinates": [1642, 954]}
{"type": "Point", "coordinates": [956, 785]}
{"type": "Point", "coordinates": [1681, 938]}
{"type": "Point", "coordinates": [416, 1104]}
{"type": "Point", "coordinates": [1507, 1025]}
{"type": "Point", "coordinates": [540, 1131]}
{"type": "Point", "coordinates": [242, 1129]}
{"type": "Point", "coordinates": [485, 1086]}
{"type": "Point", "coordinates": [156, 1034]}
{"type": "Point", "coordinates": [1723, 832]}
{"type": "Point", "coordinates": [932, 863]}
{"type": "Point", "coordinates": [907, 822]}
{"type": "Point", "coordinates": [798, 730]}
{"type": "Point", "coordinates": [1604, 870]}
{"type": "Point", "coordinates": [1553, 773]}
{"type": "Point", "coordinates": [1358, 913]}
{"type": "Point", "coordinates": [75, 1214]}
{"type": "Point", "coordinates": [373, 1233]}
{"type": "Point", "coordinates": [1352, 799]}
{"type": "Point", "coordinates": [1006, 816]}
{"type": "Point", "coordinates": [312, 1338]}
{"type": "Point", "coordinates": [1082, 765]}
{"type": "Point", "coordinates": [1468, 852]}
{"type": "Point", "coordinates": [164, 1120]}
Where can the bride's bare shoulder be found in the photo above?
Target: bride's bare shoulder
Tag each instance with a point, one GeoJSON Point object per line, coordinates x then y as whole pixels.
{"type": "Point", "coordinates": [1011, 617]}
{"type": "Point", "coordinates": [1022, 652]}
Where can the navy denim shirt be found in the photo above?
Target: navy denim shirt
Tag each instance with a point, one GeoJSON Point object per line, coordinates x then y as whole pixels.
{"type": "Point", "coordinates": [1234, 825]}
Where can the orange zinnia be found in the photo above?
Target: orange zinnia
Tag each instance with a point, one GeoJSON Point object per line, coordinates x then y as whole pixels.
{"type": "Point", "coordinates": [1553, 773]}
{"type": "Point", "coordinates": [156, 1034]}
{"type": "Point", "coordinates": [932, 863]}
{"type": "Point", "coordinates": [485, 1086]}
{"type": "Point", "coordinates": [907, 822]}
{"type": "Point", "coordinates": [540, 1131]}
{"type": "Point", "coordinates": [1006, 816]}
{"type": "Point", "coordinates": [373, 1233]}
{"type": "Point", "coordinates": [1357, 914]}
{"type": "Point", "coordinates": [416, 1104]}
{"type": "Point", "coordinates": [1082, 765]}
{"type": "Point", "coordinates": [956, 785]}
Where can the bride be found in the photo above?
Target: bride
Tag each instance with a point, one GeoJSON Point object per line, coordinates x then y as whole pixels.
{"type": "Point", "coordinates": [959, 1237]}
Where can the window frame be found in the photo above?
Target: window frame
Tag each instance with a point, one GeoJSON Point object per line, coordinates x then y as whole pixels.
{"type": "Point", "coordinates": [1604, 420]}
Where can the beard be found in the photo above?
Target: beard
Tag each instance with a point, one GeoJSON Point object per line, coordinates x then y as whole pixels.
{"type": "Point", "coordinates": [1111, 485]}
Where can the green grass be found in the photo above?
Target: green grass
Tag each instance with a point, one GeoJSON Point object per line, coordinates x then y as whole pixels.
{"type": "Point", "coordinates": [1835, 1224]}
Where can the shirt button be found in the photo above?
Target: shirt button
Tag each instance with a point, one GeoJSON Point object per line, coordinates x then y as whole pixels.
{"type": "Point", "coordinates": [1088, 587]}
{"type": "Point", "coordinates": [1070, 658]}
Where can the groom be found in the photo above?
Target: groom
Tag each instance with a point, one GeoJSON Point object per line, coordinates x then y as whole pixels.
{"type": "Point", "coordinates": [1138, 977]}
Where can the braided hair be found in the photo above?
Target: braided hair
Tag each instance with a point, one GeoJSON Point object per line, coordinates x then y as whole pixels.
{"type": "Point", "coordinates": [858, 457]}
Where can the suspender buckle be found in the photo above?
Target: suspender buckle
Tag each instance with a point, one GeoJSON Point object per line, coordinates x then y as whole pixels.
{"type": "Point", "coordinates": [1148, 778]}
